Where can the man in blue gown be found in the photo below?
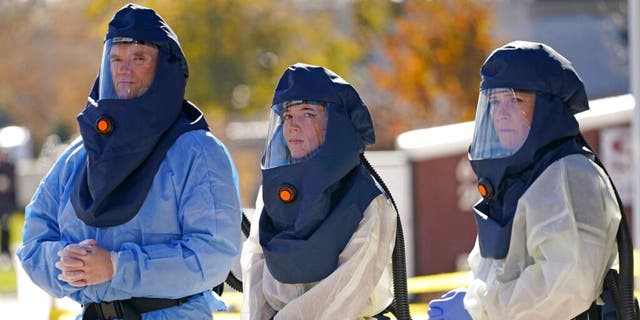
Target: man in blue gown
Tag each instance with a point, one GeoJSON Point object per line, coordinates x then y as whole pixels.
{"type": "Point", "coordinates": [139, 218]}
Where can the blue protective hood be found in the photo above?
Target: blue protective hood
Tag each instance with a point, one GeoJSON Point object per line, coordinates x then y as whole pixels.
{"type": "Point", "coordinates": [559, 94]}
{"type": "Point", "coordinates": [321, 84]}
{"type": "Point", "coordinates": [303, 239]}
{"type": "Point", "coordinates": [535, 67]}
{"type": "Point", "coordinates": [121, 165]}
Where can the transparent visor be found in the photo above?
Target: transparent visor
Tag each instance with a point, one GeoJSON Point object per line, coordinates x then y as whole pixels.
{"type": "Point", "coordinates": [297, 131]}
{"type": "Point", "coordinates": [128, 68]}
{"type": "Point", "coordinates": [503, 121]}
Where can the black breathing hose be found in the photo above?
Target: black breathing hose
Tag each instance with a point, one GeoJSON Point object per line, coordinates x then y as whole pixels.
{"type": "Point", "coordinates": [611, 282]}
{"type": "Point", "coordinates": [245, 225]}
{"type": "Point", "coordinates": [625, 306]}
{"type": "Point", "coordinates": [401, 300]}
{"type": "Point", "coordinates": [232, 280]}
{"type": "Point", "coordinates": [400, 305]}
{"type": "Point", "coordinates": [623, 238]}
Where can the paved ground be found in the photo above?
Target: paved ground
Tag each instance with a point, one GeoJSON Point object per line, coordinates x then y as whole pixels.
{"type": "Point", "coordinates": [9, 307]}
{"type": "Point", "coordinates": [12, 310]}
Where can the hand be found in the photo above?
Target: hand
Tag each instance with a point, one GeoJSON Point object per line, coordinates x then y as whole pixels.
{"type": "Point", "coordinates": [71, 266]}
{"type": "Point", "coordinates": [85, 263]}
{"type": "Point", "coordinates": [449, 306]}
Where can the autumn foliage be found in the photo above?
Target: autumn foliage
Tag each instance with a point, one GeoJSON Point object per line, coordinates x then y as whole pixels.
{"type": "Point", "coordinates": [415, 62]}
{"type": "Point", "coordinates": [429, 66]}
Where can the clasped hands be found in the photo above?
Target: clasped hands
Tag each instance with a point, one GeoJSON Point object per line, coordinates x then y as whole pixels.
{"type": "Point", "coordinates": [84, 264]}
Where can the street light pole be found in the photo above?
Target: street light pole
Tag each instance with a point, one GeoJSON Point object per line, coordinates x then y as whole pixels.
{"type": "Point", "coordinates": [634, 57]}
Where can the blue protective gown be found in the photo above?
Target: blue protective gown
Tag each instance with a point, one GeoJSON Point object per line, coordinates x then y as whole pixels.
{"type": "Point", "coordinates": [182, 241]}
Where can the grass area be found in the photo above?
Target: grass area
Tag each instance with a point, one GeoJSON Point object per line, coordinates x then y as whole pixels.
{"type": "Point", "coordinates": [8, 277]}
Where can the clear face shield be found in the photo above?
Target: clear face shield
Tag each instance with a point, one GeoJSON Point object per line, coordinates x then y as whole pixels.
{"type": "Point", "coordinates": [503, 121]}
{"type": "Point", "coordinates": [128, 68]}
{"type": "Point", "coordinates": [297, 131]}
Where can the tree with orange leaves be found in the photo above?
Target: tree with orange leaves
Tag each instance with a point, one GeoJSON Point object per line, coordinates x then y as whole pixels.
{"type": "Point", "coordinates": [427, 71]}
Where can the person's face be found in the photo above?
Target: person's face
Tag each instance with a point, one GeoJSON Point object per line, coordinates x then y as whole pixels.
{"type": "Point", "coordinates": [133, 67]}
{"type": "Point", "coordinates": [511, 112]}
{"type": "Point", "coordinates": [305, 126]}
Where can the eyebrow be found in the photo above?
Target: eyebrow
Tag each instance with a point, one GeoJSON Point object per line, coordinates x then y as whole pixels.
{"type": "Point", "coordinates": [306, 107]}
{"type": "Point", "coordinates": [139, 49]}
{"type": "Point", "coordinates": [499, 95]}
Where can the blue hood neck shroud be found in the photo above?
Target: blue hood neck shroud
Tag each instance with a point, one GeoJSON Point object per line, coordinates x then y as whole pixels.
{"type": "Point", "coordinates": [303, 239]}
{"type": "Point", "coordinates": [121, 165]}
{"type": "Point", "coordinates": [559, 94]}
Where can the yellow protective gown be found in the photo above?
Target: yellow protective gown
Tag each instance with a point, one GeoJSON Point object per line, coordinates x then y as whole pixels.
{"type": "Point", "coordinates": [562, 244]}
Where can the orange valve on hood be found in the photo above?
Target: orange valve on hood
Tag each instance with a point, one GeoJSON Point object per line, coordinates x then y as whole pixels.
{"type": "Point", "coordinates": [104, 126]}
{"type": "Point", "coordinates": [287, 193]}
{"type": "Point", "coordinates": [485, 188]}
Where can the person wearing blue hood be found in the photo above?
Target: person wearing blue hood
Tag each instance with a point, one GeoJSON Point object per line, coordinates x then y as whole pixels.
{"type": "Point", "coordinates": [323, 234]}
{"type": "Point", "coordinates": [548, 218]}
{"type": "Point", "coordinates": [140, 217]}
